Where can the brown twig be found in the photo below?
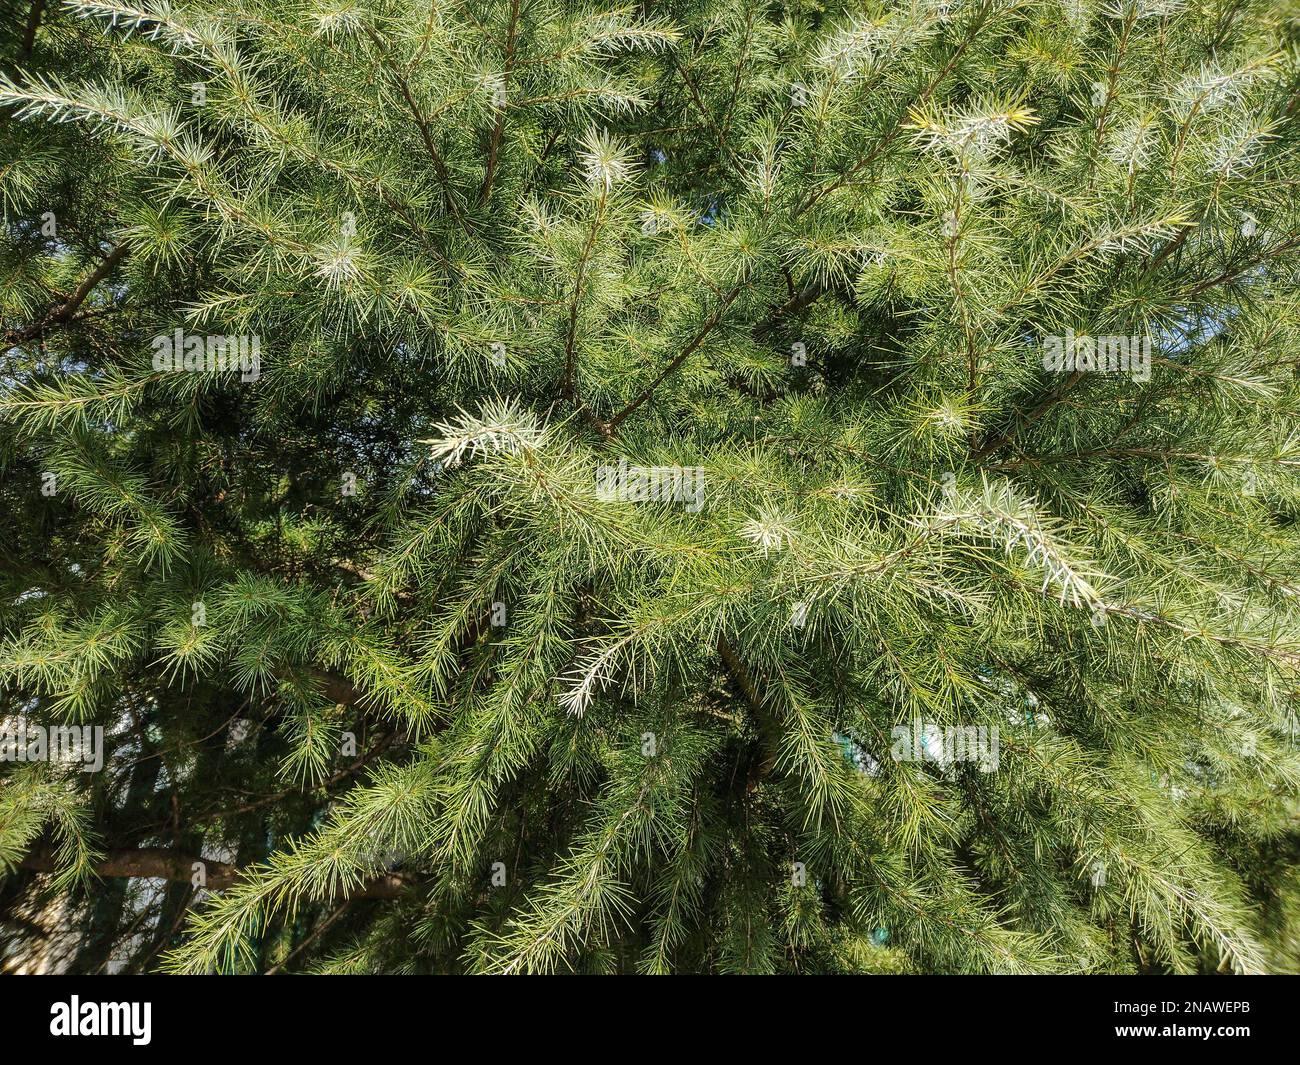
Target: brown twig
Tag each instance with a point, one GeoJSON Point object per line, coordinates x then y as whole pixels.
{"type": "Point", "coordinates": [33, 24]}
{"type": "Point", "coordinates": [499, 128]}
{"type": "Point", "coordinates": [422, 124]}
{"type": "Point", "coordinates": [316, 933]}
{"type": "Point", "coordinates": [63, 314]}
{"type": "Point", "coordinates": [685, 354]}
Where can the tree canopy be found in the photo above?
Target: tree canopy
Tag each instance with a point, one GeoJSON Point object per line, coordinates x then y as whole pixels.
{"type": "Point", "coordinates": [530, 486]}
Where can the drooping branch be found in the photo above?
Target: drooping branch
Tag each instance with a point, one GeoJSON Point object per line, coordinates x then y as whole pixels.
{"type": "Point", "coordinates": [159, 863]}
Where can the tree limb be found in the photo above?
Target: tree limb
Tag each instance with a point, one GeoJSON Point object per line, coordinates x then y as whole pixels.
{"type": "Point", "coordinates": [64, 314]}
{"type": "Point", "coordinates": [162, 864]}
{"type": "Point", "coordinates": [422, 123]}
{"type": "Point", "coordinates": [769, 731]}
{"type": "Point", "coordinates": [499, 128]}
{"type": "Point", "coordinates": [33, 24]}
{"type": "Point", "coordinates": [685, 354]}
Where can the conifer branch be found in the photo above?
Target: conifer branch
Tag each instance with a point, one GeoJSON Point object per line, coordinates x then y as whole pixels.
{"type": "Point", "coordinates": [691, 346]}
{"type": "Point", "coordinates": [876, 649]}
{"type": "Point", "coordinates": [976, 26]}
{"type": "Point", "coordinates": [421, 122]}
{"type": "Point", "coordinates": [162, 864]}
{"type": "Point", "coordinates": [575, 301]}
{"type": "Point", "coordinates": [499, 127]}
{"type": "Point", "coordinates": [67, 311]}
{"type": "Point", "coordinates": [30, 29]}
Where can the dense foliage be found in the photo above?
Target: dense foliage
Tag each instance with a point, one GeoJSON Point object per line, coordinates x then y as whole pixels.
{"type": "Point", "coordinates": [649, 459]}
